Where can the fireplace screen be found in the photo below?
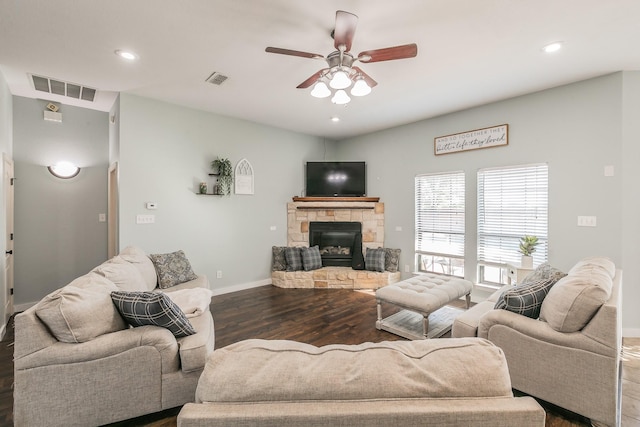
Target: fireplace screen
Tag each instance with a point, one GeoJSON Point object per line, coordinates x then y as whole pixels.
{"type": "Point", "coordinates": [336, 241]}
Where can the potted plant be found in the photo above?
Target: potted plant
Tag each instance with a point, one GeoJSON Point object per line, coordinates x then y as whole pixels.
{"type": "Point", "coordinates": [527, 247]}
{"type": "Point", "coordinates": [224, 169]}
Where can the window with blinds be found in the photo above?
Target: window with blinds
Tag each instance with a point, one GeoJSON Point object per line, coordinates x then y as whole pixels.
{"type": "Point", "coordinates": [512, 202]}
{"type": "Point", "coordinates": [439, 216]}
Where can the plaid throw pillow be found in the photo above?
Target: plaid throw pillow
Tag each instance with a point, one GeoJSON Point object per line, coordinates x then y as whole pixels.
{"type": "Point", "coordinates": [294, 260]}
{"type": "Point", "coordinates": [172, 269]}
{"type": "Point", "coordinates": [278, 260]}
{"type": "Point", "coordinates": [152, 308]}
{"type": "Point", "coordinates": [374, 259]}
{"type": "Point", "coordinates": [526, 299]}
{"type": "Point", "coordinates": [311, 259]}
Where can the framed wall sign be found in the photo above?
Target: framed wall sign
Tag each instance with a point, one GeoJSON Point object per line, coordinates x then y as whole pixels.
{"type": "Point", "coordinates": [471, 140]}
{"type": "Point", "coordinates": [244, 177]}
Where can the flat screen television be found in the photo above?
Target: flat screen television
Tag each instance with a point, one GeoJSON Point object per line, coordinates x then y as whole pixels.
{"type": "Point", "coordinates": [335, 179]}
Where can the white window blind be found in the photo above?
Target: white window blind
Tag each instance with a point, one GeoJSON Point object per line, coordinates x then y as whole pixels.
{"type": "Point", "coordinates": [512, 202]}
{"type": "Point", "coordinates": [439, 214]}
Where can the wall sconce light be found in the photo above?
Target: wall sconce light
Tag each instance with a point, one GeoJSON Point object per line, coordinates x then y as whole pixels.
{"type": "Point", "coordinates": [64, 170]}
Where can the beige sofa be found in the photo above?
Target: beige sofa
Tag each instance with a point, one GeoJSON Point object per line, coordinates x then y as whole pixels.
{"type": "Point", "coordinates": [83, 365]}
{"type": "Point", "coordinates": [570, 356]}
{"type": "Point", "coordinates": [450, 382]}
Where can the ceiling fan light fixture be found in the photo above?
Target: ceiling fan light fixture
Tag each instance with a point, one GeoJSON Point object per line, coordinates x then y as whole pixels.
{"type": "Point", "coordinates": [360, 88]}
{"type": "Point", "coordinates": [340, 98]}
{"type": "Point", "coordinates": [340, 80]}
{"type": "Point", "coordinates": [320, 90]}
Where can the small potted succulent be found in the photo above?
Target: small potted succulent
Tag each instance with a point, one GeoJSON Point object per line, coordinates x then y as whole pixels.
{"type": "Point", "coordinates": [224, 170]}
{"type": "Point", "coordinates": [527, 248]}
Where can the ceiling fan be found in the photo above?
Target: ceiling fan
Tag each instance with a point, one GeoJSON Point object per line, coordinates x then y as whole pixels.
{"type": "Point", "coordinates": [341, 73]}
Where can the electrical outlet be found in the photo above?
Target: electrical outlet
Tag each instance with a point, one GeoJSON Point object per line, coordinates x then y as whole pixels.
{"type": "Point", "coordinates": [145, 219]}
{"type": "Point", "coordinates": [407, 268]}
{"type": "Point", "coordinates": [219, 274]}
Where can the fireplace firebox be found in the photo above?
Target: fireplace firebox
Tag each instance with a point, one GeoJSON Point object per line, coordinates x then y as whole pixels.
{"type": "Point", "coordinates": [340, 243]}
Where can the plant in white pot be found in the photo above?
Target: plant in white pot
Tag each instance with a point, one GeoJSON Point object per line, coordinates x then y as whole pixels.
{"type": "Point", "coordinates": [527, 248]}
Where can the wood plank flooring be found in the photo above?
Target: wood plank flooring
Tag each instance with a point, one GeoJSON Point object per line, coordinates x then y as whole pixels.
{"type": "Point", "coordinates": [318, 317]}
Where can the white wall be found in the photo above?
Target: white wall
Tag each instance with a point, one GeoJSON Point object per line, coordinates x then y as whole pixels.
{"type": "Point", "coordinates": [576, 129]}
{"type": "Point", "coordinates": [57, 233]}
{"type": "Point", "coordinates": [165, 151]}
{"type": "Point", "coordinates": [6, 147]}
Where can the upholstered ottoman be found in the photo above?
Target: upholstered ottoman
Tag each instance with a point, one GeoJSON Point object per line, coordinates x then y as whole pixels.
{"type": "Point", "coordinates": [420, 296]}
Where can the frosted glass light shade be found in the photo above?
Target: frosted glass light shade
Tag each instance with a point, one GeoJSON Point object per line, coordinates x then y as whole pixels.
{"type": "Point", "coordinates": [64, 170]}
{"type": "Point", "coordinates": [320, 90]}
{"type": "Point", "coordinates": [340, 98]}
{"type": "Point", "coordinates": [360, 88]}
{"type": "Point", "coordinates": [340, 80]}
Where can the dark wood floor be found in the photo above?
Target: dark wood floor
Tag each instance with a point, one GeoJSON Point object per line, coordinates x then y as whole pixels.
{"type": "Point", "coordinates": [317, 317]}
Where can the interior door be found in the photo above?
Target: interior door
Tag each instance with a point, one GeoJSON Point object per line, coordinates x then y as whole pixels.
{"type": "Point", "coordinates": [112, 211]}
{"type": "Point", "coordinates": [8, 257]}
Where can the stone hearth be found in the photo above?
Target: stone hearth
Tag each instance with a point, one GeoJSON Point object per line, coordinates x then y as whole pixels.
{"type": "Point", "coordinates": [334, 278]}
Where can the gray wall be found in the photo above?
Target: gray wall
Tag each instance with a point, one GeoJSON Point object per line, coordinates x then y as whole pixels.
{"type": "Point", "coordinates": [576, 129]}
{"type": "Point", "coordinates": [165, 151]}
{"type": "Point", "coordinates": [57, 233]}
{"type": "Point", "coordinates": [6, 147]}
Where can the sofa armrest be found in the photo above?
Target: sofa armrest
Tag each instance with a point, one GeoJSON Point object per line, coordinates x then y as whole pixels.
{"type": "Point", "coordinates": [105, 346]}
{"type": "Point", "coordinates": [541, 331]}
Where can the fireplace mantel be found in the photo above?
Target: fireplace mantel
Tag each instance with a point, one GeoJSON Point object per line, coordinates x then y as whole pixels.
{"type": "Point", "coordinates": [336, 199]}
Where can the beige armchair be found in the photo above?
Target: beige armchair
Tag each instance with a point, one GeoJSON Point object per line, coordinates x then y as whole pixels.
{"type": "Point", "coordinates": [578, 370]}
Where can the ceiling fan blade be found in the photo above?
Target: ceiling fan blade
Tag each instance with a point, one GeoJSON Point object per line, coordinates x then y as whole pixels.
{"type": "Point", "coordinates": [389, 53]}
{"type": "Point", "coordinates": [311, 80]}
{"type": "Point", "coordinates": [367, 79]}
{"type": "Point", "coordinates": [345, 29]}
{"type": "Point", "coordinates": [293, 53]}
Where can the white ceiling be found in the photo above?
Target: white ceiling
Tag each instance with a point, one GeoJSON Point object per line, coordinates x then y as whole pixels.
{"type": "Point", "coordinates": [470, 52]}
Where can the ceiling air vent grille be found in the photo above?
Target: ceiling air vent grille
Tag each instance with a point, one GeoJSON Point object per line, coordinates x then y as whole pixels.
{"type": "Point", "coordinates": [216, 78]}
{"type": "Point", "coordinates": [58, 87]}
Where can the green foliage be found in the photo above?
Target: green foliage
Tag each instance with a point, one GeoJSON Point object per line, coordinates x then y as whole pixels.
{"type": "Point", "coordinates": [224, 169]}
{"type": "Point", "coordinates": [528, 245]}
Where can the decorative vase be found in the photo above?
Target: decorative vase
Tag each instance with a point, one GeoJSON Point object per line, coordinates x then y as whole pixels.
{"type": "Point", "coordinates": [526, 262]}
{"type": "Point", "coordinates": [203, 188]}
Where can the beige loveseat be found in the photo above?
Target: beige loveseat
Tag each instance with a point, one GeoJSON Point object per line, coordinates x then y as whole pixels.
{"type": "Point", "coordinates": [84, 366]}
{"type": "Point", "coordinates": [446, 382]}
{"type": "Point", "coordinates": [570, 355]}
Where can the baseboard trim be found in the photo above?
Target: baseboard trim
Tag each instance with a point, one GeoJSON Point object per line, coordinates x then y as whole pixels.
{"type": "Point", "coordinates": [241, 287]}
{"type": "Point", "coordinates": [631, 332]}
{"type": "Point", "coordinates": [17, 308]}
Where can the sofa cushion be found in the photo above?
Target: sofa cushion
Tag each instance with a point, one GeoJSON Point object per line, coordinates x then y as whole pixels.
{"type": "Point", "coordinates": [278, 259]}
{"type": "Point", "coordinates": [391, 259]}
{"type": "Point", "coordinates": [374, 259]}
{"type": "Point", "coordinates": [142, 262]}
{"type": "Point", "coordinates": [194, 349]}
{"type": "Point", "coordinates": [262, 370]}
{"type": "Point", "coordinates": [294, 258]}
{"type": "Point", "coordinates": [311, 259]}
{"type": "Point", "coordinates": [526, 298]}
{"type": "Point", "coordinates": [172, 269]}
{"type": "Point", "coordinates": [152, 308]}
{"type": "Point", "coordinates": [123, 274]}
{"type": "Point", "coordinates": [576, 298]}
{"type": "Point", "coordinates": [81, 310]}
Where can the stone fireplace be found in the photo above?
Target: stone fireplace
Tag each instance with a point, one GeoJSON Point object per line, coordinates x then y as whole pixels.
{"type": "Point", "coordinates": [368, 213]}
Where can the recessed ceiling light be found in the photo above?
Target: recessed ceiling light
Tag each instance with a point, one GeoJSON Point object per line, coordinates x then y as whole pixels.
{"type": "Point", "coordinates": [335, 119]}
{"type": "Point", "coordinates": [126, 54]}
{"type": "Point", "coordinates": [552, 47]}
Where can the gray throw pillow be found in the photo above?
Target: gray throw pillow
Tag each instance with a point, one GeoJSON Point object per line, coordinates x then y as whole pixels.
{"type": "Point", "coordinates": [526, 299]}
{"type": "Point", "coordinates": [391, 259]}
{"type": "Point", "coordinates": [172, 269]}
{"type": "Point", "coordinates": [278, 260]}
{"type": "Point", "coordinates": [374, 259]}
{"type": "Point", "coordinates": [294, 259]}
{"type": "Point", "coordinates": [152, 308]}
{"type": "Point", "coordinates": [311, 259]}
{"type": "Point", "coordinates": [544, 271]}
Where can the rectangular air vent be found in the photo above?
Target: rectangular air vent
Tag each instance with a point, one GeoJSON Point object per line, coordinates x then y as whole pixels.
{"type": "Point", "coordinates": [58, 87]}
{"type": "Point", "coordinates": [216, 78]}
